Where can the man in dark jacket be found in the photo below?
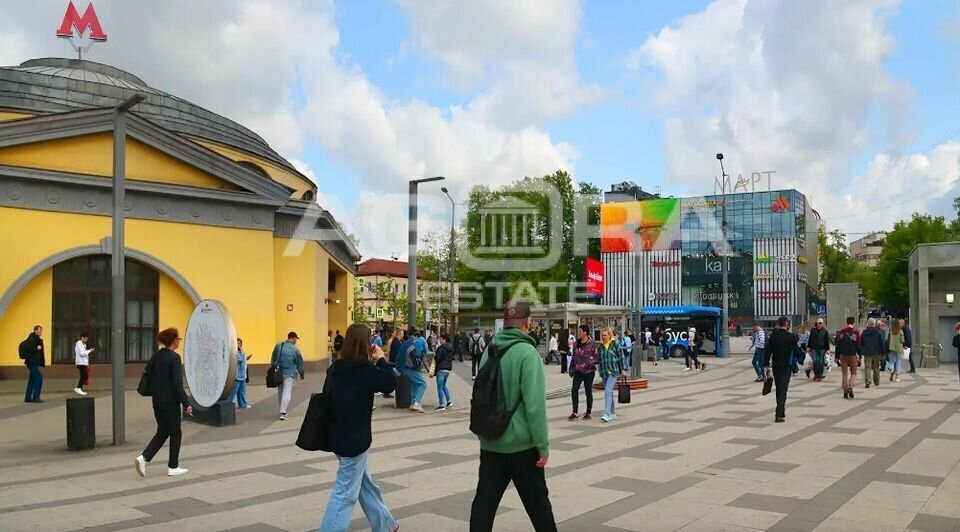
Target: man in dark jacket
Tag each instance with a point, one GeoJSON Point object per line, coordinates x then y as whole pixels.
{"type": "Point", "coordinates": [847, 346]}
{"type": "Point", "coordinates": [776, 360]}
{"type": "Point", "coordinates": [908, 343]}
{"type": "Point", "coordinates": [31, 352]}
{"type": "Point", "coordinates": [818, 346]}
{"type": "Point", "coordinates": [872, 349]}
{"type": "Point", "coordinates": [337, 342]}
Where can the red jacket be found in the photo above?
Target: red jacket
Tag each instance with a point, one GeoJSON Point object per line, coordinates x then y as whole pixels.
{"type": "Point", "coordinates": [847, 330]}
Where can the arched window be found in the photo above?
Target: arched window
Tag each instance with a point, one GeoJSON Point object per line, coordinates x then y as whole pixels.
{"type": "Point", "coordinates": [81, 302]}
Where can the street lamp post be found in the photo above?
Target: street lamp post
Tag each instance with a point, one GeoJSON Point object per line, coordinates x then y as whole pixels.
{"type": "Point", "coordinates": [412, 251]}
{"type": "Point", "coordinates": [725, 266]}
{"type": "Point", "coordinates": [453, 251]}
{"type": "Point", "coordinates": [118, 272]}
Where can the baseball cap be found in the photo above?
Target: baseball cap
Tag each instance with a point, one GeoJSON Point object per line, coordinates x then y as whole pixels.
{"type": "Point", "coordinates": [292, 334]}
{"type": "Point", "coordinates": [516, 310]}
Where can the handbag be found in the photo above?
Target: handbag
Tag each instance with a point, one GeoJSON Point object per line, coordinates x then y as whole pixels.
{"type": "Point", "coordinates": [906, 354]}
{"type": "Point", "coordinates": [767, 385]}
{"type": "Point", "coordinates": [145, 386]}
{"type": "Point", "coordinates": [623, 393]}
{"type": "Point", "coordinates": [315, 430]}
{"type": "Point", "coordinates": [274, 375]}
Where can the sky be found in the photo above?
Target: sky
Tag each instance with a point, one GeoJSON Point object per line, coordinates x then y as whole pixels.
{"type": "Point", "coordinates": [854, 103]}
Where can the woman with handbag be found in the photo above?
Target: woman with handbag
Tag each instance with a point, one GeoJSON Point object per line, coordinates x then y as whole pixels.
{"type": "Point", "coordinates": [611, 369]}
{"type": "Point", "coordinates": [896, 350]}
{"type": "Point", "coordinates": [352, 380]}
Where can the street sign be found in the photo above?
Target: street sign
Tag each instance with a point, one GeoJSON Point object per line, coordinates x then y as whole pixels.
{"type": "Point", "coordinates": [821, 309]}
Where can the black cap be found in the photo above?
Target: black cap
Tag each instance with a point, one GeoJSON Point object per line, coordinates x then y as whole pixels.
{"type": "Point", "coordinates": [516, 310]}
{"type": "Point", "coordinates": [292, 334]}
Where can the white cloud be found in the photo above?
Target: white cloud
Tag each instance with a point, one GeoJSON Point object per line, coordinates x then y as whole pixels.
{"type": "Point", "coordinates": [795, 87]}
{"type": "Point", "coordinates": [247, 59]}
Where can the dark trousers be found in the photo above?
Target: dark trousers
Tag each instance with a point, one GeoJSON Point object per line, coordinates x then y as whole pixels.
{"type": "Point", "coordinates": [84, 371]}
{"type": "Point", "coordinates": [34, 382]}
{"type": "Point", "coordinates": [563, 361]}
{"type": "Point", "coordinates": [496, 472]}
{"type": "Point", "coordinates": [587, 382]}
{"type": "Point", "coordinates": [913, 368]}
{"type": "Point", "coordinates": [693, 353]}
{"type": "Point", "coordinates": [474, 365]}
{"type": "Point", "coordinates": [168, 426]}
{"type": "Point", "coordinates": [781, 379]}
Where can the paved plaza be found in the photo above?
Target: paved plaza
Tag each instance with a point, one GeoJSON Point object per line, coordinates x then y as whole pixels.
{"type": "Point", "coordinates": [697, 451]}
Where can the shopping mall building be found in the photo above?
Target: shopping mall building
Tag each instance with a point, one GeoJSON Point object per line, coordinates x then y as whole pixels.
{"type": "Point", "coordinates": [212, 213]}
{"type": "Point", "coordinates": [670, 248]}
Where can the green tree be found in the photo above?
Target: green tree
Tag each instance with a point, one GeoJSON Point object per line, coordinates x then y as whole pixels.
{"type": "Point", "coordinates": [892, 286]}
{"type": "Point", "coordinates": [835, 262]}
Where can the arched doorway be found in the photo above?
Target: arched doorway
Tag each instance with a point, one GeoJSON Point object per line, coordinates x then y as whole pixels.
{"type": "Point", "coordinates": [82, 303]}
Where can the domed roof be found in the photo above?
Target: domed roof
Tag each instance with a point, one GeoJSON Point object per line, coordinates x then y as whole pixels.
{"type": "Point", "coordinates": [55, 85]}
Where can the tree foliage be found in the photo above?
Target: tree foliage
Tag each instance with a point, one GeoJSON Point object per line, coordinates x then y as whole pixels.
{"type": "Point", "coordinates": [892, 286]}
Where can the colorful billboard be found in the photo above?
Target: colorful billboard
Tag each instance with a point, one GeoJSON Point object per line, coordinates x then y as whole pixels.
{"type": "Point", "coordinates": [655, 224]}
{"type": "Point", "coordinates": [594, 277]}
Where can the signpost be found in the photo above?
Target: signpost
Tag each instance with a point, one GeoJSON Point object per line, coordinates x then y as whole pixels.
{"type": "Point", "coordinates": [210, 357]}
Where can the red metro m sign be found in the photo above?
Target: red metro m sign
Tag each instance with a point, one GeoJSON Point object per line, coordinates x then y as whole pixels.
{"type": "Point", "coordinates": [75, 25]}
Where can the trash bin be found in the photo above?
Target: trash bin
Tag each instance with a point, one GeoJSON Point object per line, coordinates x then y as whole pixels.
{"type": "Point", "coordinates": [81, 423]}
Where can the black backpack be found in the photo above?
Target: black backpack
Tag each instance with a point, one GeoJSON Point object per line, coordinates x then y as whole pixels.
{"type": "Point", "coordinates": [847, 343]}
{"type": "Point", "coordinates": [489, 417]}
{"type": "Point", "coordinates": [24, 349]}
{"type": "Point", "coordinates": [475, 347]}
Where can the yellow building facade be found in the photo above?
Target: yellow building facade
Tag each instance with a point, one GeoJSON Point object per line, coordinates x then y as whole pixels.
{"type": "Point", "coordinates": [212, 213]}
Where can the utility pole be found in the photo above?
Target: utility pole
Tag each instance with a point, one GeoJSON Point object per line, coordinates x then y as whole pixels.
{"type": "Point", "coordinates": [412, 251]}
{"type": "Point", "coordinates": [725, 295]}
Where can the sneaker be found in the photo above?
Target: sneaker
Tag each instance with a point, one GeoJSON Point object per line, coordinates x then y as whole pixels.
{"type": "Point", "coordinates": [449, 404]}
{"type": "Point", "coordinates": [473, 378]}
{"type": "Point", "coordinates": [686, 369]}
{"type": "Point", "coordinates": [655, 363]}
{"type": "Point", "coordinates": [141, 465]}
{"type": "Point", "coordinates": [868, 385]}
{"type": "Point", "coordinates": [759, 379]}
{"type": "Point", "coordinates": [703, 367]}
{"type": "Point", "coordinates": [177, 471]}
{"type": "Point", "coordinates": [249, 406]}
{"type": "Point", "coordinates": [778, 420]}
{"type": "Point", "coordinates": [851, 393]}
{"type": "Point", "coordinates": [572, 416]}
{"type": "Point", "coordinates": [605, 418]}
{"type": "Point", "coordinates": [846, 394]}
{"type": "Point", "coordinates": [78, 391]}
{"type": "Point", "coordinates": [440, 408]}
{"type": "Point", "coordinates": [896, 379]}
{"type": "Point", "coordinates": [283, 416]}
{"type": "Point", "coordinates": [416, 408]}
{"type": "Point", "coordinates": [587, 417]}
{"type": "Point", "coordinates": [612, 416]}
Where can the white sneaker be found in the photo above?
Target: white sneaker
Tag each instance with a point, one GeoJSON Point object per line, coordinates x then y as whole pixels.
{"type": "Point", "coordinates": [416, 408]}
{"type": "Point", "coordinates": [473, 378]}
{"type": "Point", "coordinates": [249, 406]}
{"type": "Point", "coordinates": [177, 471]}
{"type": "Point", "coordinates": [605, 418]}
{"type": "Point", "coordinates": [78, 391]}
{"type": "Point", "coordinates": [283, 417]}
{"type": "Point", "coordinates": [141, 465]}
{"type": "Point", "coordinates": [686, 369]}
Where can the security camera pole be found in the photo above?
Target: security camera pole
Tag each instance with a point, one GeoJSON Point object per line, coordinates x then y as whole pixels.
{"type": "Point", "coordinates": [118, 294]}
{"type": "Point", "coordinates": [724, 264]}
{"type": "Point", "coordinates": [412, 252]}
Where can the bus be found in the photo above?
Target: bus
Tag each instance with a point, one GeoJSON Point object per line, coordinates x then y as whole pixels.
{"type": "Point", "coordinates": [677, 321]}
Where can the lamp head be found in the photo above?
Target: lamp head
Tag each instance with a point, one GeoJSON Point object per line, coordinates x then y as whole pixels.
{"type": "Point", "coordinates": [444, 190]}
{"type": "Point", "coordinates": [719, 156]}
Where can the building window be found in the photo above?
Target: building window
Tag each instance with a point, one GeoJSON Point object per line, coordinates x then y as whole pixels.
{"type": "Point", "coordinates": [81, 302]}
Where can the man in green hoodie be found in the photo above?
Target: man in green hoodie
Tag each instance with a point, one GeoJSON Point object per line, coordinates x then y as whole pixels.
{"type": "Point", "coordinates": [520, 454]}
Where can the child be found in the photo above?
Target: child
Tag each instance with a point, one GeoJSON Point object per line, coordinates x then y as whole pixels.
{"type": "Point", "coordinates": [82, 360]}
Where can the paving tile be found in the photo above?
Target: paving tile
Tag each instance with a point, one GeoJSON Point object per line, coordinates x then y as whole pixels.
{"type": "Point", "coordinates": [934, 523]}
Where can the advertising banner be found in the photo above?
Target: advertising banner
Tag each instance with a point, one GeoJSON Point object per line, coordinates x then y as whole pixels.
{"type": "Point", "coordinates": [655, 223]}
{"type": "Point", "coordinates": [594, 277]}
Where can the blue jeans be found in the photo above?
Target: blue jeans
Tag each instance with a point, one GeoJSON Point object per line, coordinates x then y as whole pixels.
{"type": "Point", "coordinates": [893, 362]}
{"type": "Point", "coordinates": [442, 390]}
{"type": "Point", "coordinates": [819, 361]}
{"type": "Point", "coordinates": [664, 352]}
{"type": "Point", "coordinates": [609, 401]}
{"type": "Point", "coordinates": [418, 385]}
{"type": "Point", "coordinates": [354, 482]}
{"type": "Point", "coordinates": [240, 391]}
{"type": "Point", "coordinates": [34, 383]}
{"type": "Point", "coordinates": [758, 361]}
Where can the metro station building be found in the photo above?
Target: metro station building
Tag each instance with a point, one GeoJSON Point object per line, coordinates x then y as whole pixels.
{"type": "Point", "coordinates": [212, 213]}
{"type": "Point", "coordinates": [678, 242]}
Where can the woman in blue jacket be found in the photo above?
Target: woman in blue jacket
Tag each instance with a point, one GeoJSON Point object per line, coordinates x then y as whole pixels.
{"type": "Point", "coordinates": [358, 372]}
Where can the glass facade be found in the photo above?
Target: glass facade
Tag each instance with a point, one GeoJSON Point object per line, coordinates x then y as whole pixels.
{"type": "Point", "coordinates": [776, 214]}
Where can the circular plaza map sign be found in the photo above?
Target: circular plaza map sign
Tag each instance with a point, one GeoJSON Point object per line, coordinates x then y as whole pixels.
{"type": "Point", "coordinates": [210, 352]}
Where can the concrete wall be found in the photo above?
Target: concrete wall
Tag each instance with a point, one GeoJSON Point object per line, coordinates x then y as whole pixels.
{"type": "Point", "coordinates": [843, 301]}
{"type": "Point", "coordinates": [935, 272]}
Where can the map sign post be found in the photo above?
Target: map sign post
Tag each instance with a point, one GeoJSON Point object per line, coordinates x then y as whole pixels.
{"type": "Point", "coordinates": [210, 362]}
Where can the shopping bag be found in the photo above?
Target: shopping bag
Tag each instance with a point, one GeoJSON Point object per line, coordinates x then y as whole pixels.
{"type": "Point", "coordinates": [906, 354]}
{"type": "Point", "coordinates": [314, 432]}
{"type": "Point", "coordinates": [624, 392]}
{"type": "Point", "coordinates": [767, 385]}
{"type": "Point", "coordinates": [808, 362]}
